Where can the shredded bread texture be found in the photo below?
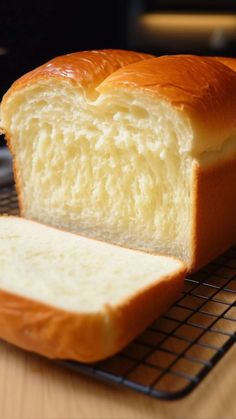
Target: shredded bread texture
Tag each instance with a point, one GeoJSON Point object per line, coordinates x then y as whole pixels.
{"type": "Point", "coordinates": [110, 167]}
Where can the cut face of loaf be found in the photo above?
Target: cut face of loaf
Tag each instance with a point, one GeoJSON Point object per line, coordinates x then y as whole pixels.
{"type": "Point", "coordinates": [142, 156]}
{"type": "Point", "coordinates": [69, 297]}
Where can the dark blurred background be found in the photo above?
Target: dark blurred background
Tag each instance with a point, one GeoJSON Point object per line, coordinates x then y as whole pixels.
{"type": "Point", "coordinates": [33, 32]}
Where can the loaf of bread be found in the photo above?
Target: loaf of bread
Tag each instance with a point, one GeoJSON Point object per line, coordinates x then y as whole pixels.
{"type": "Point", "coordinates": [66, 296]}
{"type": "Point", "coordinates": [134, 150]}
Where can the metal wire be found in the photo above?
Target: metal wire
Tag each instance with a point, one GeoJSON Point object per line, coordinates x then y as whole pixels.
{"type": "Point", "coordinates": [178, 350]}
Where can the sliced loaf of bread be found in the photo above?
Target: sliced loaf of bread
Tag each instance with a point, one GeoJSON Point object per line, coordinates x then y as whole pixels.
{"type": "Point", "coordinates": [70, 297]}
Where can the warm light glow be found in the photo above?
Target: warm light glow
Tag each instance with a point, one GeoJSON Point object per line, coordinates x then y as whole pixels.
{"type": "Point", "coordinates": [191, 23]}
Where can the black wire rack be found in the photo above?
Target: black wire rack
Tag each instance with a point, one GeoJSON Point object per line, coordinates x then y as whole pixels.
{"type": "Point", "coordinates": [178, 350]}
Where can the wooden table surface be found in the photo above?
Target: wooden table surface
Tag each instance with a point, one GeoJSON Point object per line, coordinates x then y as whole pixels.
{"type": "Point", "coordinates": [34, 388]}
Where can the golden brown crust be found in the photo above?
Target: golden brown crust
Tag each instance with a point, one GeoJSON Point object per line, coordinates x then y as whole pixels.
{"type": "Point", "coordinates": [198, 86]}
{"type": "Point", "coordinates": [87, 69]}
{"type": "Point", "coordinates": [84, 337]}
{"type": "Point", "coordinates": [214, 227]}
{"type": "Point", "coordinates": [47, 330]}
{"type": "Point", "coordinates": [228, 61]}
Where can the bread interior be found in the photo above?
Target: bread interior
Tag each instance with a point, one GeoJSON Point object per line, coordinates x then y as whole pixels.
{"type": "Point", "coordinates": [113, 165]}
{"type": "Point", "coordinates": [73, 272]}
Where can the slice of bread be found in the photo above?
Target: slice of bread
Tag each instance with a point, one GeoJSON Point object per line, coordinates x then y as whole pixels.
{"type": "Point", "coordinates": [129, 149]}
{"type": "Point", "coordinates": [67, 296]}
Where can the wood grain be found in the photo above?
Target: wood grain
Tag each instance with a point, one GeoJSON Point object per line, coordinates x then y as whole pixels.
{"type": "Point", "coordinates": [35, 388]}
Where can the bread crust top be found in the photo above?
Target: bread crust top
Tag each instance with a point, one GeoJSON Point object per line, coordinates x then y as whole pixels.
{"type": "Point", "coordinates": [228, 61]}
{"type": "Point", "coordinates": [202, 88]}
{"type": "Point", "coordinates": [87, 69]}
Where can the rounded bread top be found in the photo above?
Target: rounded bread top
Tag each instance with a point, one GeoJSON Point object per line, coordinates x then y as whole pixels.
{"type": "Point", "coordinates": [87, 69]}
{"type": "Point", "coordinates": [203, 89]}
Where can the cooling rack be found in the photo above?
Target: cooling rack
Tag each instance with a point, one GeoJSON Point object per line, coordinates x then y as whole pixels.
{"type": "Point", "coordinates": [178, 350]}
